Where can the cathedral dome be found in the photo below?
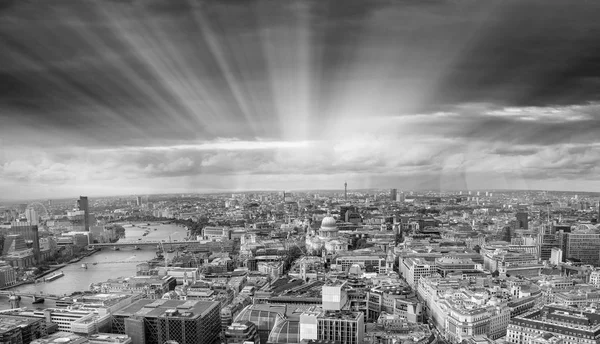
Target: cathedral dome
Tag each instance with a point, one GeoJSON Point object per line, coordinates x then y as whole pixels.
{"type": "Point", "coordinates": [328, 223]}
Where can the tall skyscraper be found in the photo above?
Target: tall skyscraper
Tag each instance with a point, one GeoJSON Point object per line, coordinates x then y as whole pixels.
{"type": "Point", "coordinates": [138, 200]}
{"type": "Point", "coordinates": [393, 193]}
{"type": "Point", "coordinates": [32, 216]}
{"type": "Point", "coordinates": [82, 204]}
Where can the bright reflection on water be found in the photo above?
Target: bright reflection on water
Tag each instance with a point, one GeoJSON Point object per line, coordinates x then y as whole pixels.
{"type": "Point", "coordinates": [110, 264]}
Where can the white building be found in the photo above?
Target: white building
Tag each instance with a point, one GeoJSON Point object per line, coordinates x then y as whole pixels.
{"type": "Point", "coordinates": [556, 256]}
{"type": "Point", "coordinates": [327, 238]}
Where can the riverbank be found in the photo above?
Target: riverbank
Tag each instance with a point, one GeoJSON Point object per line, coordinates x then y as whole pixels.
{"type": "Point", "coordinates": [87, 254]}
{"type": "Point", "coordinates": [52, 269]}
{"type": "Point", "coordinates": [106, 263]}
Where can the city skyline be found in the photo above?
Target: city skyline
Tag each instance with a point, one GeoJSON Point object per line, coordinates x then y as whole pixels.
{"type": "Point", "coordinates": [111, 98]}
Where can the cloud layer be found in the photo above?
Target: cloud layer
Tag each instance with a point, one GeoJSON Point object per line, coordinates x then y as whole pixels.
{"type": "Point", "coordinates": [157, 96]}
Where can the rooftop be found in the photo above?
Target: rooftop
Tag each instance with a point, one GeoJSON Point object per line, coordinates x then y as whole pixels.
{"type": "Point", "coordinates": [344, 315]}
{"type": "Point", "coordinates": [8, 322]}
{"type": "Point", "coordinates": [60, 338]}
{"type": "Point", "coordinates": [156, 308]}
{"type": "Point", "coordinates": [108, 338]}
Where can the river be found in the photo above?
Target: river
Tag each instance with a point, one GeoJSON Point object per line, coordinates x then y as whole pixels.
{"type": "Point", "coordinates": [110, 264]}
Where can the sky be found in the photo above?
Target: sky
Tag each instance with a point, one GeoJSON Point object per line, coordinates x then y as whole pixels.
{"type": "Point", "coordinates": [114, 97]}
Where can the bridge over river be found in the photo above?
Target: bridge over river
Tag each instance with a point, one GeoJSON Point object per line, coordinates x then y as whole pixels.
{"type": "Point", "coordinates": [144, 243]}
{"type": "Point", "coordinates": [118, 262]}
{"type": "Point", "coordinates": [31, 295]}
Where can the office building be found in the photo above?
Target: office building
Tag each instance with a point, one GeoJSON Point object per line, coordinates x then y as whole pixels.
{"type": "Point", "coordinates": [83, 205]}
{"type": "Point", "coordinates": [67, 319]}
{"type": "Point", "coordinates": [152, 287]}
{"type": "Point", "coordinates": [566, 323]}
{"type": "Point", "coordinates": [272, 269]}
{"type": "Point", "coordinates": [556, 256]}
{"type": "Point", "coordinates": [522, 220]}
{"type": "Point", "coordinates": [334, 296]}
{"type": "Point", "coordinates": [8, 276]}
{"type": "Point", "coordinates": [583, 244]}
{"type": "Point", "coordinates": [32, 216]}
{"type": "Point", "coordinates": [547, 242]}
{"type": "Point", "coordinates": [138, 200]}
{"type": "Point", "coordinates": [61, 337]}
{"type": "Point", "coordinates": [398, 300]}
{"type": "Point", "coordinates": [393, 193]}
{"type": "Point", "coordinates": [349, 213]}
{"type": "Point", "coordinates": [343, 326]}
{"type": "Point", "coordinates": [413, 269]}
{"type": "Point", "coordinates": [512, 262]}
{"type": "Point", "coordinates": [157, 321]}
{"type": "Point", "coordinates": [22, 329]}
{"type": "Point", "coordinates": [376, 262]}
{"type": "Point", "coordinates": [228, 312]}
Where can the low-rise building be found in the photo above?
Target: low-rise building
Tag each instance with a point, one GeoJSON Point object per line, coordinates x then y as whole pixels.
{"type": "Point", "coordinates": [565, 323]}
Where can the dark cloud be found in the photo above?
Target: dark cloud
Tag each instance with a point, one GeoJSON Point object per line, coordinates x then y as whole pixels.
{"type": "Point", "coordinates": [515, 151]}
{"type": "Point", "coordinates": [530, 53]}
{"type": "Point", "coordinates": [514, 77]}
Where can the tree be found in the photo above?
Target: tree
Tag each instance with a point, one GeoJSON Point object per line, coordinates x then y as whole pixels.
{"type": "Point", "coordinates": [361, 243]}
{"type": "Point", "coordinates": [477, 249]}
{"type": "Point", "coordinates": [496, 273]}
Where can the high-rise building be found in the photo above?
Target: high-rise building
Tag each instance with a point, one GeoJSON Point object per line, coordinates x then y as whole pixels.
{"type": "Point", "coordinates": [158, 321]}
{"type": "Point", "coordinates": [82, 204]}
{"type": "Point", "coordinates": [138, 200]}
{"type": "Point", "coordinates": [32, 216]}
{"type": "Point", "coordinates": [400, 197]}
{"type": "Point", "coordinates": [522, 220]}
{"type": "Point", "coordinates": [583, 244]}
{"type": "Point", "coordinates": [393, 193]}
{"type": "Point", "coordinates": [546, 242]}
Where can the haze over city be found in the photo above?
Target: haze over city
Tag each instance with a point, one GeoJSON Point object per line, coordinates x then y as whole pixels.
{"type": "Point", "coordinates": [138, 97]}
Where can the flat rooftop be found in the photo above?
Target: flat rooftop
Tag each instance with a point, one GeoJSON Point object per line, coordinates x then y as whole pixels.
{"type": "Point", "coordinates": [156, 308]}
{"type": "Point", "coordinates": [8, 322]}
{"type": "Point", "coordinates": [60, 337]}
